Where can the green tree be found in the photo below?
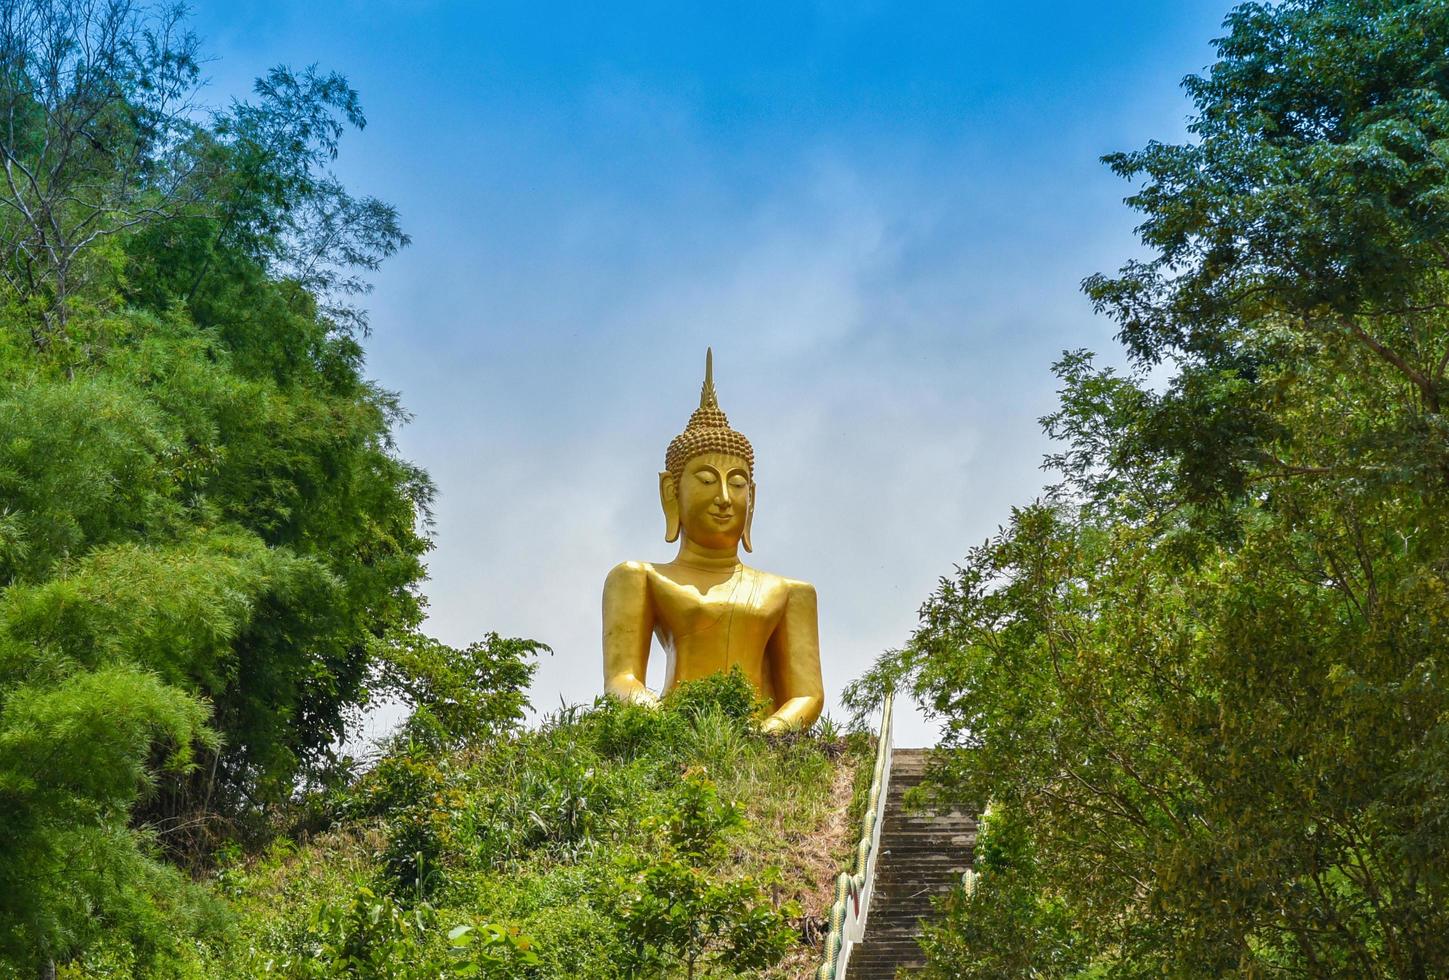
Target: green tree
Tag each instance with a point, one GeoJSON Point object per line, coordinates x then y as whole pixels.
{"type": "Point", "coordinates": [1204, 676]}
{"type": "Point", "coordinates": [207, 534]}
{"type": "Point", "coordinates": [458, 697]}
{"type": "Point", "coordinates": [95, 131]}
{"type": "Point", "coordinates": [1015, 927]}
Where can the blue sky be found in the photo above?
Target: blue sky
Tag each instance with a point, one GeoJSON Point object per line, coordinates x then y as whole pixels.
{"type": "Point", "coordinates": [877, 214]}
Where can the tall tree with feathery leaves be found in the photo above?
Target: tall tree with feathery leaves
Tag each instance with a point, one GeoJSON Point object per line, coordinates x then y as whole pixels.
{"type": "Point", "coordinates": [1202, 683]}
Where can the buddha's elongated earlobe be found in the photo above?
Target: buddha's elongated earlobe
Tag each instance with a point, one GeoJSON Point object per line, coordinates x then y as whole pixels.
{"type": "Point", "coordinates": [749, 517]}
{"type": "Point", "coordinates": [669, 500]}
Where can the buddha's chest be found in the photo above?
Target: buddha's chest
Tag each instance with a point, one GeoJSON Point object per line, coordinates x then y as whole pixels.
{"type": "Point", "coordinates": [741, 610]}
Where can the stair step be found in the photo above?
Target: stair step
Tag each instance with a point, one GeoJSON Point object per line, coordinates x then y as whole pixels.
{"type": "Point", "coordinates": [923, 854]}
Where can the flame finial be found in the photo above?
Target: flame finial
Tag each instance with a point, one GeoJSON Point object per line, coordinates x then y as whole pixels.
{"type": "Point", "coordinates": [707, 397]}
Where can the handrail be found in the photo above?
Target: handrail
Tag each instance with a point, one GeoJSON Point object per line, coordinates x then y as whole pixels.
{"type": "Point", "coordinates": [853, 890]}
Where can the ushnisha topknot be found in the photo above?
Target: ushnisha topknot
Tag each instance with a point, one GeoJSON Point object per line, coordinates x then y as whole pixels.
{"type": "Point", "coordinates": [708, 430]}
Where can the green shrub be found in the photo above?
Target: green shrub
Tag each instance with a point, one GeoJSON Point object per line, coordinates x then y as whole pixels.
{"type": "Point", "coordinates": [397, 782]}
{"type": "Point", "coordinates": [375, 938]}
{"type": "Point", "coordinates": [674, 908]}
{"type": "Point", "coordinates": [625, 730]}
{"type": "Point", "coordinates": [548, 833]}
{"type": "Point", "coordinates": [729, 693]}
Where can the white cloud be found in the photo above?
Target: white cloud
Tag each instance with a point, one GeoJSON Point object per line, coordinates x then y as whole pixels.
{"type": "Point", "coordinates": [891, 395]}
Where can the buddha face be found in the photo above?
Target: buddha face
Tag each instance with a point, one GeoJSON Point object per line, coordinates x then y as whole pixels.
{"type": "Point", "coordinates": [713, 497]}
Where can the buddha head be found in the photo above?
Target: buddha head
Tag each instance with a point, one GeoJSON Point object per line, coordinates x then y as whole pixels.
{"type": "Point", "coordinates": [707, 487]}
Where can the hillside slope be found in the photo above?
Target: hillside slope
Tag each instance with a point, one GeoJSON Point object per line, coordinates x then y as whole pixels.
{"type": "Point", "coordinates": [610, 837]}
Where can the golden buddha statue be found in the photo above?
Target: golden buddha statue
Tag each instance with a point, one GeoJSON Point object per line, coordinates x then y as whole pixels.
{"type": "Point", "coordinates": [710, 611]}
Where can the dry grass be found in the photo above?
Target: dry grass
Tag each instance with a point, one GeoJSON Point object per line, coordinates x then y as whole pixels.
{"type": "Point", "coordinates": [815, 859]}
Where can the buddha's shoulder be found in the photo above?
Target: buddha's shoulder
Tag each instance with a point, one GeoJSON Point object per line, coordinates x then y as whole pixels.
{"type": "Point", "coordinates": [780, 582]}
{"type": "Point", "coordinates": [627, 572]}
{"type": "Point", "coordinates": [637, 573]}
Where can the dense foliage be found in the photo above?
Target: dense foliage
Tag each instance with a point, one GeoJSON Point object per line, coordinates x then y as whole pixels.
{"type": "Point", "coordinates": [208, 543]}
{"type": "Point", "coordinates": [609, 842]}
{"type": "Point", "coordinates": [1203, 685]}
{"type": "Point", "coordinates": [674, 910]}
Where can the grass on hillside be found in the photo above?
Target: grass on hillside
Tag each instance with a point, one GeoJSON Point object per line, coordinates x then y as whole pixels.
{"type": "Point", "coordinates": [512, 859]}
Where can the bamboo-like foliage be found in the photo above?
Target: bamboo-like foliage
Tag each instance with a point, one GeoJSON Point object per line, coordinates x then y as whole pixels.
{"type": "Point", "coordinates": [209, 545]}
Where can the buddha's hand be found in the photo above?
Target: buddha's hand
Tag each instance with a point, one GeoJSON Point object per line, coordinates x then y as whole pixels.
{"type": "Point", "coordinates": [645, 698]}
{"type": "Point", "coordinates": [775, 725]}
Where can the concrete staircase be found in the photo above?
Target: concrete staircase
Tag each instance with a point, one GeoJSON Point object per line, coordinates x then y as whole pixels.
{"type": "Point", "coordinates": [922, 855]}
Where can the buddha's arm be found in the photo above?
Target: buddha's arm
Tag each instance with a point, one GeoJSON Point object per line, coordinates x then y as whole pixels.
{"type": "Point", "coordinates": [794, 652]}
{"type": "Point", "coordinates": [628, 626]}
